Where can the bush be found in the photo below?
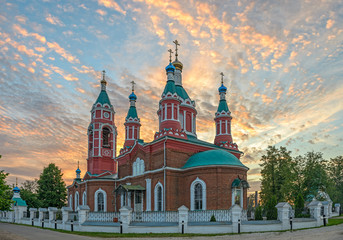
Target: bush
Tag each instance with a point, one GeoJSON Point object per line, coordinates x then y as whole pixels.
{"type": "Point", "coordinates": [213, 219]}
{"type": "Point", "coordinates": [258, 213]}
{"type": "Point", "coordinates": [271, 211]}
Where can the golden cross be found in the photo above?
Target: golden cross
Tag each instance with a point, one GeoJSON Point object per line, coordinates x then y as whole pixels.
{"type": "Point", "coordinates": [16, 182]}
{"type": "Point", "coordinates": [222, 74]}
{"type": "Point", "coordinates": [170, 53]}
{"type": "Point", "coordinates": [176, 44]}
{"type": "Point", "coordinates": [133, 85]}
{"type": "Point", "coordinates": [78, 164]}
{"type": "Point", "coordinates": [103, 74]}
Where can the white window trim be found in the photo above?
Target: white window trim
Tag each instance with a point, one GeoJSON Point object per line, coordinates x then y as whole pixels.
{"type": "Point", "coordinates": [138, 167]}
{"type": "Point", "coordinates": [76, 200]}
{"type": "Point", "coordinates": [203, 184]}
{"type": "Point", "coordinates": [155, 196]}
{"type": "Point", "coordinates": [96, 200]}
{"type": "Point", "coordinates": [84, 198]}
{"type": "Point", "coordinates": [233, 196]}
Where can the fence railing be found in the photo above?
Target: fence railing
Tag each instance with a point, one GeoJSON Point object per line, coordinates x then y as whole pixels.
{"type": "Point", "coordinates": [26, 214]}
{"type": "Point", "coordinates": [103, 216]}
{"type": "Point", "coordinates": [154, 216]}
{"type": "Point", "coordinates": [205, 215]}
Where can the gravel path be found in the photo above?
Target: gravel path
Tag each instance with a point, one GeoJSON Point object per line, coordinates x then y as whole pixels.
{"type": "Point", "coordinates": [19, 232]}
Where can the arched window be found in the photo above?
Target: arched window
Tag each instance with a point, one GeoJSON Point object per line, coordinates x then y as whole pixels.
{"type": "Point", "coordinates": [158, 197]}
{"type": "Point", "coordinates": [76, 200]}
{"type": "Point", "coordinates": [198, 195]}
{"type": "Point", "coordinates": [100, 204]}
{"type": "Point", "coordinates": [138, 167]}
{"type": "Point", "coordinates": [84, 198]}
{"type": "Point", "coordinates": [106, 137]}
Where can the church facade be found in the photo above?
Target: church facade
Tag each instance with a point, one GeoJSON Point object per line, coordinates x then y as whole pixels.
{"type": "Point", "coordinates": [175, 169]}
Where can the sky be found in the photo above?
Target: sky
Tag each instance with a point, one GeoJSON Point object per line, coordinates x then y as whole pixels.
{"type": "Point", "coordinates": [282, 61]}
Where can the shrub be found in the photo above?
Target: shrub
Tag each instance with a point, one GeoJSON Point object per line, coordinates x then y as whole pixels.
{"type": "Point", "coordinates": [299, 206]}
{"type": "Point", "coordinates": [258, 213]}
{"type": "Point", "coordinates": [213, 219]}
{"type": "Point", "coordinates": [271, 211]}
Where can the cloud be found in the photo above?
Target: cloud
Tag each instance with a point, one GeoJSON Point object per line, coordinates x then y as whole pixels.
{"type": "Point", "coordinates": [61, 51]}
{"type": "Point", "coordinates": [101, 12]}
{"type": "Point", "coordinates": [54, 20]}
{"type": "Point", "coordinates": [112, 4]}
{"type": "Point", "coordinates": [330, 23]}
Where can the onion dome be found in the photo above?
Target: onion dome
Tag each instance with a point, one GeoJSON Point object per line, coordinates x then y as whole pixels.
{"type": "Point", "coordinates": [133, 96]}
{"type": "Point", "coordinates": [178, 65]}
{"type": "Point", "coordinates": [78, 171]}
{"type": "Point", "coordinates": [170, 68]}
{"type": "Point", "coordinates": [16, 189]}
{"type": "Point", "coordinates": [222, 88]}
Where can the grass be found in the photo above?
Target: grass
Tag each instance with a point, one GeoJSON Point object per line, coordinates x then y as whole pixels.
{"type": "Point", "coordinates": [335, 221]}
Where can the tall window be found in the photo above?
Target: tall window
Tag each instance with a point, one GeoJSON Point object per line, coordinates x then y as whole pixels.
{"type": "Point", "coordinates": [198, 197]}
{"type": "Point", "coordinates": [101, 205]}
{"type": "Point", "coordinates": [76, 200]}
{"type": "Point", "coordinates": [106, 137]}
{"type": "Point", "coordinates": [100, 198]}
{"type": "Point", "coordinates": [159, 198]}
{"type": "Point", "coordinates": [84, 198]}
{"type": "Point", "coordinates": [158, 194]}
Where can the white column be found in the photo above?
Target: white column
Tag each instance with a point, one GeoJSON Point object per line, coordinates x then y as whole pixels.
{"type": "Point", "coordinates": [220, 127]}
{"type": "Point", "coordinates": [172, 113]}
{"type": "Point", "coordinates": [148, 194]}
{"type": "Point", "coordinates": [192, 123]}
{"type": "Point", "coordinates": [165, 111]}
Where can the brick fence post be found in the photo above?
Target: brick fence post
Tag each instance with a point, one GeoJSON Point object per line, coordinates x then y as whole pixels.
{"type": "Point", "coordinates": [183, 218]}
{"type": "Point", "coordinates": [283, 210]}
{"type": "Point", "coordinates": [125, 218]}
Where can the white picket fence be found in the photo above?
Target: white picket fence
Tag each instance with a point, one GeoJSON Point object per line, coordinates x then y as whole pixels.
{"type": "Point", "coordinates": [103, 216]}
{"type": "Point", "coordinates": [168, 216]}
{"type": "Point", "coordinates": [205, 215]}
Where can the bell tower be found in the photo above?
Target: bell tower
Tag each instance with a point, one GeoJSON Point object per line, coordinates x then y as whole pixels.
{"type": "Point", "coordinates": [223, 121]}
{"type": "Point", "coordinates": [102, 134]}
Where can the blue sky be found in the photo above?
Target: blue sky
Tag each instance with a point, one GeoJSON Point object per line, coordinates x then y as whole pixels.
{"type": "Point", "coordinates": [282, 62]}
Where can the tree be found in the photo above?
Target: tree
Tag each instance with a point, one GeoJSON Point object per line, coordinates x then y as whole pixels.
{"type": "Point", "coordinates": [52, 190]}
{"type": "Point", "coordinates": [278, 174]}
{"type": "Point", "coordinates": [258, 213]}
{"type": "Point", "coordinates": [299, 205]}
{"type": "Point", "coordinates": [28, 192]}
{"type": "Point", "coordinates": [314, 173]}
{"type": "Point", "coordinates": [5, 192]}
{"type": "Point", "coordinates": [335, 186]}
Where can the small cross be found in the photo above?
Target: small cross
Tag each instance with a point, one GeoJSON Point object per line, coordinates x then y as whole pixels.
{"type": "Point", "coordinates": [16, 182]}
{"type": "Point", "coordinates": [133, 85]}
{"type": "Point", "coordinates": [170, 55]}
{"type": "Point", "coordinates": [222, 74]}
{"type": "Point", "coordinates": [176, 44]}
{"type": "Point", "coordinates": [103, 75]}
{"type": "Point", "coordinates": [78, 164]}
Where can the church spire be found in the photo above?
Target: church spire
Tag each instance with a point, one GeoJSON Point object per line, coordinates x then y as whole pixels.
{"type": "Point", "coordinates": [103, 81]}
{"type": "Point", "coordinates": [132, 122]}
{"type": "Point", "coordinates": [223, 120]}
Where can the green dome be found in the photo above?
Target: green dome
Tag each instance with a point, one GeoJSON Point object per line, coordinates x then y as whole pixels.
{"type": "Point", "coordinates": [213, 157]}
{"type": "Point", "coordinates": [132, 112]}
{"type": "Point", "coordinates": [181, 92]}
{"type": "Point", "coordinates": [222, 106]}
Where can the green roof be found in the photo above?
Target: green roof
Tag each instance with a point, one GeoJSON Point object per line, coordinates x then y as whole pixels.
{"type": "Point", "coordinates": [181, 92]}
{"type": "Point", "coordinates": [130, 188]}
{"type": "Point", "coordinates": [103, 98]}
{"type": "Point", "coordinates": [223, 106]}
{"type": "Point", "coordinates": [19, 202]}
{"type": "Point", "coordinates": [170, 87]}
{"type": "Point", "coordinates": [237, 183]}
{"type": "Point", "coordinates": [213, 157]}
{"type": "Point", "coordinates": [132, 112]}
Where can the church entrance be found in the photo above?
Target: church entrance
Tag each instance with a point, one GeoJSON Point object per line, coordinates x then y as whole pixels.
{"type": "Point", "coordinates": [138, 207]}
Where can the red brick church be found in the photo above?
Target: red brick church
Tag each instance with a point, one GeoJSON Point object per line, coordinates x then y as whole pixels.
{"type": "Point", "coordinates": [175, 169]}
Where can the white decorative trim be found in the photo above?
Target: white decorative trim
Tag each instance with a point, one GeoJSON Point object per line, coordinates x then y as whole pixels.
{"type": "Point", "coordinates": [138, 167]}
{"type": "Point", "coordinates": [96, 200]}
{"type": "Point", "coordinates": [203, 184]}
{"type": "Point", "coordinates": [233, 191]}
{"type": "Point", "coordinates": [84, 198]}
{"type": "Point", "coordinates": [70, 202]}
{"type": "Point", "coordinates": [155, 196]}
{"type": "Point", "coordinates": [148, 194]}
{"type": "Point", "coordinates": [76, 200]}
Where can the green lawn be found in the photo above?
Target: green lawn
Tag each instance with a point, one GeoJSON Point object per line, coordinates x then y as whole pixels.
{"type": "Point", "coordinates": [335, 221]}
